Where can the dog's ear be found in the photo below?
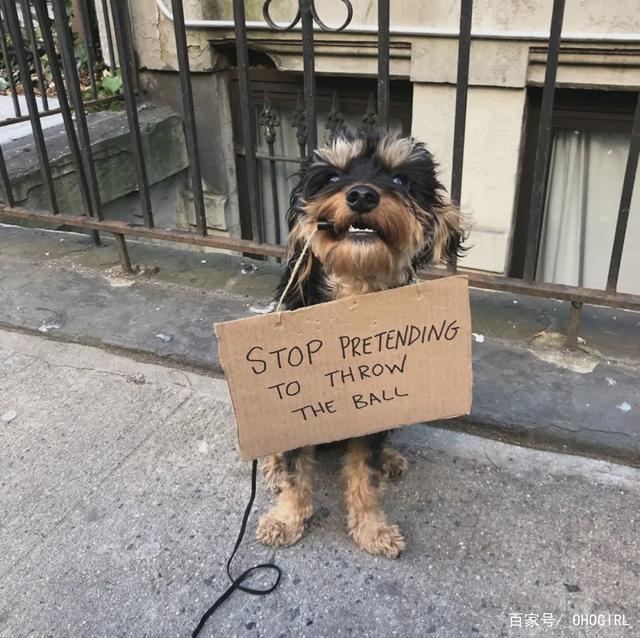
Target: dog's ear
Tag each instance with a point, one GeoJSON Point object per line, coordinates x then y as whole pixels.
{"type": "Point", "coordinates": [446, 228]}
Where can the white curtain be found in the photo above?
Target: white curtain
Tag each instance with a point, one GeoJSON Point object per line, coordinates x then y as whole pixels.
{"type": "Point", "coordinates": [583, 195]}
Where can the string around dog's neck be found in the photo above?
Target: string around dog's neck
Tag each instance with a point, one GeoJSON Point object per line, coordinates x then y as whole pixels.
{"type": "Point", "coordinates": [295, 269]}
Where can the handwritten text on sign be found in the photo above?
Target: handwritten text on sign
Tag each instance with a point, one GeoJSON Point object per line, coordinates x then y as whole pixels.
{"type": "Point", "coordinates": [349, 367]}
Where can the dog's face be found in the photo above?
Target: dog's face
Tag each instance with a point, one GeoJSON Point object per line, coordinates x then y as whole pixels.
{"type": "Point", "coordinates": [385, 207]}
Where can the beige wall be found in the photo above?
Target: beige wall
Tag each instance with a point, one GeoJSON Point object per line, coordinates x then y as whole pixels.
{"type": "Point", "coordinates": [490, 171]}
{"type": "Point", "coordinates": [501, 68]}
{"type": "Point", "coordinates": [601, 16]}
{"type": "Point", "coordinates": [420, 57]}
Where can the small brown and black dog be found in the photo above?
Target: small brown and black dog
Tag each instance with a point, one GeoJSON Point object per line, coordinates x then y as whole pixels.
{"type": "Point", "coordinates": [375, 211]}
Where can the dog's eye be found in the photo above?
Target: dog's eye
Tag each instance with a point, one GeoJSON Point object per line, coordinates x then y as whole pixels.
{"type": "Point", "coordinates": [400, 180]}
{"type": "Point", "coordinates": [334, 178]}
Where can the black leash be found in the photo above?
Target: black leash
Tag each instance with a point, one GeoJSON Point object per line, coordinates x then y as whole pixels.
{"type": "Point", "coordinates": [236, 583]}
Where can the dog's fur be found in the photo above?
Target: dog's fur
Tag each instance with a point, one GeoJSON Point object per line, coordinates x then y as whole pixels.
{"type": "Point", "coordinates": [415, 224]}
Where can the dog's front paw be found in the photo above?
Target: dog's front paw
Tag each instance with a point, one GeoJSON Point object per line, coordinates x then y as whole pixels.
{"type": "Point", "coordinates": [276, 531]}
{"type": "Point", "coordinates": [379, 537]}
{"type": "Point", "coordinates": [394, 465]}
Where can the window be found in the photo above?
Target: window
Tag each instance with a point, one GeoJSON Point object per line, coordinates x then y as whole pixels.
{"type": "Point", "coordinates": [591, 134]}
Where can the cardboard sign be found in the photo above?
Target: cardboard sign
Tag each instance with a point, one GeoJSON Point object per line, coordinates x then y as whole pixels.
{"type": "Point", "coordinates": [350, 367]}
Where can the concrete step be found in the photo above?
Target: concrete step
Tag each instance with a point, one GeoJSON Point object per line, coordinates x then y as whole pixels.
{"type": "Point", "coordinates": [163, 146]}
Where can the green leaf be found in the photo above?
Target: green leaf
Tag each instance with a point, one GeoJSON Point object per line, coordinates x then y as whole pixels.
{"type": "Point", "coordinates": [113, 83]}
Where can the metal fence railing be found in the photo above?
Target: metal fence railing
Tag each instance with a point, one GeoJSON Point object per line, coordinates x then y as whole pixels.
{"type": "Point", "coordinates": [21, 55]}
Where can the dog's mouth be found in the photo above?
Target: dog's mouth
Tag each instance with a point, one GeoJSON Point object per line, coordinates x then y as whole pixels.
{"type": "Point", "coordinates": [357, 230]}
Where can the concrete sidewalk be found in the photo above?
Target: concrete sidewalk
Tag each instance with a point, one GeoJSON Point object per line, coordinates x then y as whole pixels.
{"type": "Point", "coordinates": [121, 496]}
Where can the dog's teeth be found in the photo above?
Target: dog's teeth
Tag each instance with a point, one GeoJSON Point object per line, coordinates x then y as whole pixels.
{"type": "Point", "coordinates": [353, 229]}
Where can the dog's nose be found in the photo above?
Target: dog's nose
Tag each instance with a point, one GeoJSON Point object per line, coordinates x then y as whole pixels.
{"type": "Point", "coordinates": [362, 199]}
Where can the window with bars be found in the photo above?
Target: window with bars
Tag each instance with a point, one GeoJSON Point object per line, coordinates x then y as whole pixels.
{"type": "Point", "coordinates": [280, 124]}
{"type": "Point", "coordinates": [589, 148]}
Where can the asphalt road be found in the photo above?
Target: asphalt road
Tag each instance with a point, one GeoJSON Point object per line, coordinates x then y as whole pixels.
{"type": "Point", "coordinates": [121, 494]}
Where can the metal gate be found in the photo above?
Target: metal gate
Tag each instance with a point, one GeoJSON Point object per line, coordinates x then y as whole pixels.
{"type": "Point", "coordinates": [20, 51]}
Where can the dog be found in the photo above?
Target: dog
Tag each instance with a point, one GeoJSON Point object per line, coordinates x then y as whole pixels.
{"type": "Point", "coordinates": [373, 211]}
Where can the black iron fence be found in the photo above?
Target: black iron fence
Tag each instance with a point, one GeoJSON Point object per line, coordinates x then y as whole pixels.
{"type": "Point", "coordinates": [75, 87]}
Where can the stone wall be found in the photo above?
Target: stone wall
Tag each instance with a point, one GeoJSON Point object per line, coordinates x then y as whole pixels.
{"type": "Point", "coordinates": [164, 150]}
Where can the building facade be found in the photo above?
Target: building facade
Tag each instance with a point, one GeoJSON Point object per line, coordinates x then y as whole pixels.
{"type": "Point", "coordinates": [597, 87]}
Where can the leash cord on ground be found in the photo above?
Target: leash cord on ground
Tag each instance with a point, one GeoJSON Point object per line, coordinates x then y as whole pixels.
{"type": "Point", "coordinates": [236, 583]}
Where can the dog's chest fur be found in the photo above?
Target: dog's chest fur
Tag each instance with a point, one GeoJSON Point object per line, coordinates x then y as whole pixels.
{"type": "Point", "coordinates": [348, 286]}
